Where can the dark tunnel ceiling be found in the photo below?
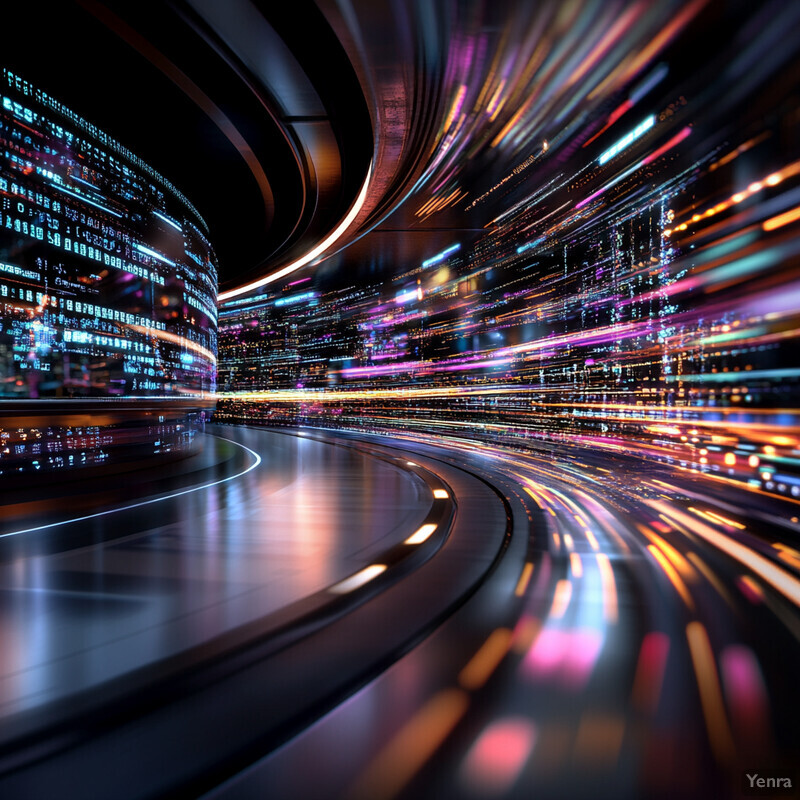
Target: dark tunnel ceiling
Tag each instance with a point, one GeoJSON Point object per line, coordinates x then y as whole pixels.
{"type": "Point", "coordinates": [381, 82]}
{"type": "Point", "coordinates": [78, 53]}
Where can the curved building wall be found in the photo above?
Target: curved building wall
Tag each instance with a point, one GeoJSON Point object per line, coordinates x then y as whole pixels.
{"type": "Point", "coordinates": [107, 295]}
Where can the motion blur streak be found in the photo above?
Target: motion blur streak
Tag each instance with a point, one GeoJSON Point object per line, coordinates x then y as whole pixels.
{"type": "Point", "coordinates": [650, 671]}
{"type": "Point", "coordinates": [485, 661]}
{"type": "Point", "coordinates": [591, 299]}
{"type": "Point", "coordinates": [85, 517]}
{"type": "Point", "coordinates": [785, 583]}
{"type": "Point", "coordinates": [498, 756]}
{"type": "Point", "coordinates": [359, 579]}
{"type": "Point", "coordinates": [316, 251]}
{"type": "Point", "coordinates": [710, 694]}
{"type": "Point", "coordinates": [412, 746]}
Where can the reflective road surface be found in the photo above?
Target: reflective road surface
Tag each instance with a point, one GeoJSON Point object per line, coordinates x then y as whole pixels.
{"type": "Point", "coordinates": [377, 617]}
{"type": "Point", "coordinates": [281, 519]}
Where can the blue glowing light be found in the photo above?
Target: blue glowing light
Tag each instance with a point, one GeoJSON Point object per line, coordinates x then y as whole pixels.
{"type": "Point", "coordinates": [168, 221]}
{"type": "Point", "coordinates": [85, 199]}
{"type": "Point", "coordinates": [152, 253]}
{"type": "Point", "coordinates": [441, 256]}
{"type": "Point", "coordinates": [628, 140]}
{"type": "Point", "coordinates": [297, 298]}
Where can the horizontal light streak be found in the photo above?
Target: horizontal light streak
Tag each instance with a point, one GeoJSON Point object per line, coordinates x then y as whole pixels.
{"type": "Point", "coordinates": [650, 415]}
{"type": "Point", "coordinates": [180, 341]}
{"type": "Point", "coordinates": [441, 256]}
{"type": "Point", "coordinates": [422, 534]}
{"type": "Point", "coordinates": [358, 580]}
{"type": "Point", "coordinates": [153, 254]}
{"type": "Point", "coordinates": [85, 199]}
{"type": "Point", "coordinates": [717, 518]}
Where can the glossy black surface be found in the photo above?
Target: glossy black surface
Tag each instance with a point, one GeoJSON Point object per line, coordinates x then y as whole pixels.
{"type": "Point", "coordinates": [154, 576]}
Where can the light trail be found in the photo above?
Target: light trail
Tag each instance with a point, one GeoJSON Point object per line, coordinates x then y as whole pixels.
{"type": "Point", "coordinates": [142, 503]}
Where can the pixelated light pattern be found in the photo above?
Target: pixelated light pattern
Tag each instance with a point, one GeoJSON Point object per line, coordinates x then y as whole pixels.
{"type": "Point", "coordinates": [107, 279]}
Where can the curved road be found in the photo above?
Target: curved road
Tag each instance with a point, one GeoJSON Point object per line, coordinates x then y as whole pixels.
{"type": "Point", "coordinates": [643, 642]}
{"type": "Point", "coordinates": [550, 622]}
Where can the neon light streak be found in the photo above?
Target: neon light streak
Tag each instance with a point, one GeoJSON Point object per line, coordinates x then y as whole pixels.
{"type": "Point", "coordinates": [679, 137]}
{"type": "Point", "coordinates": [628, 140]}
{"type": "Point", "coordinates": [441, 256]}
{"type": "Point", "coordinates": [152, 253]}
{"type": "Point", "coordinates": [298, 298]}
{"type": "Point", "coordinates": [84, 199]}
{"type": "Point", "coordinates": [168, 221]}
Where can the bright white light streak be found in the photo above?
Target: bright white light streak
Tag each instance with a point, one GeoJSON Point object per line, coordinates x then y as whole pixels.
{"type": "Point", "coordinates": [441, 256]}
{"type": "Point", "coordinates": [311, 254]}
{"type": "Point", "coordinates": [440, 494]}
{"type": "Point", "coordinates": [422, 534]}
{"type": "Point", "coordinates": [358, 580]}
{"type": "Point", "coordinates": [147, 502]}
{"type": "Point", "coordinates": [85, 199]}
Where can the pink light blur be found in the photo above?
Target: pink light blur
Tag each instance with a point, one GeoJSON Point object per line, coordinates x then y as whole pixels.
{"type": "Point", "coordinates": [566, 658]}
{"type": "Point", "coordinates": [746, 695]}
{"type": "Point", "coordinates": [495, 761]}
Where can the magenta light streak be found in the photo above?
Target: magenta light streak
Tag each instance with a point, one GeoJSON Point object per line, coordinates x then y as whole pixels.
{"type": "Point", "coordinates": [745, 691]}
{"type": "Point", "coordinates": [389, 369]}
{"type": "Point", "coordinates": [566, 656]}
{"type": "Point", "coordinates": [491, 362]}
